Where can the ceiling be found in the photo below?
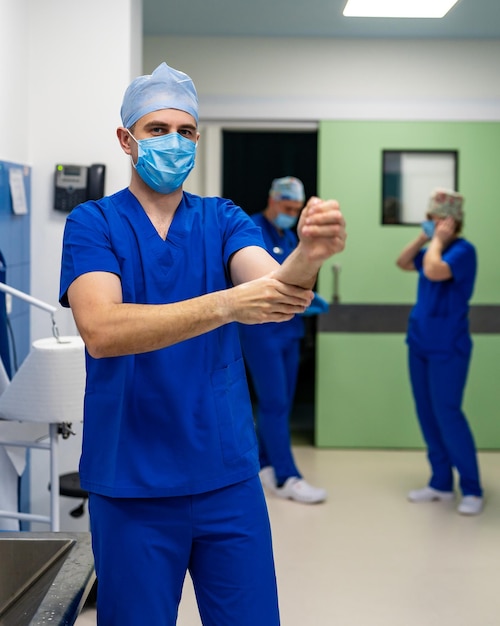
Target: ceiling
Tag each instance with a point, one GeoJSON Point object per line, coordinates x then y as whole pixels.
{"type": "Point", "coordinates": [469, 19]}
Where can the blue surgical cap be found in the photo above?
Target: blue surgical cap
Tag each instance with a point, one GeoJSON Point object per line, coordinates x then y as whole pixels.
{"type": "Point", "coordinates": [287, 188]}
{"type": "Point", "coordinates": [165, 88]}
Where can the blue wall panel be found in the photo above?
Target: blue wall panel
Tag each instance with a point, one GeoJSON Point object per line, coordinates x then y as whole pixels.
{"type": "Point", "coordinates": [15, 245]}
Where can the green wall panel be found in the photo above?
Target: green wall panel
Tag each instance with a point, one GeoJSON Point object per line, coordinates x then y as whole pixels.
{"type": "Point", "coordinates": [350, 170]}
{"type": "Point", "coordinates": [363, 397]}
{"type": "Point", "coordinates": [482, 395]}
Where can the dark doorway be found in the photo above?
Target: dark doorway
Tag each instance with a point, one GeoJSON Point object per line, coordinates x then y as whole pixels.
{"type": "Point", "coordinates": [251, 159]}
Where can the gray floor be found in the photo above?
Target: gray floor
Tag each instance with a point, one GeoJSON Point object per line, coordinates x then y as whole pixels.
{"type": "Point", "coordinates": [367, 557]}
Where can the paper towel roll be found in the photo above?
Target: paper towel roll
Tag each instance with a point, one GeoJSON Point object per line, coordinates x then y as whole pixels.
{"type": "Point", "coordinates": [49, 386]}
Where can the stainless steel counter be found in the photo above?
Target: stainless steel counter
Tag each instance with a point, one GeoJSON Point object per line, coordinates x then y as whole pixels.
{"type": "Point", "coordinates": [45, 577]}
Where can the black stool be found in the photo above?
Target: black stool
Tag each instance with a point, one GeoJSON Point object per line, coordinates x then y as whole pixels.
{"type": "Point", "coordinates": [69, 485]}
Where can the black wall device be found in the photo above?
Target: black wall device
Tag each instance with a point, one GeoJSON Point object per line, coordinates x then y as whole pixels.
{"type": "Point", "coordinates": [75, 184]}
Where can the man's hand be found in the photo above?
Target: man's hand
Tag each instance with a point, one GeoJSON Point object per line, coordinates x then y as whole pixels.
{"type": "Point", "coordinates": [264, 300]}
{"type": "Point", "coordinates": [321, 229]}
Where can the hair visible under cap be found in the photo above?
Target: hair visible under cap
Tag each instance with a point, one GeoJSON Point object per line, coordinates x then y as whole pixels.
{"type": "Point", "coordinates": [165, 88]}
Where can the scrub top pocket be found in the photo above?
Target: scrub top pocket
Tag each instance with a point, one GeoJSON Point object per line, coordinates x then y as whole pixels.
{"type": "Point", "coordinates": [232, 399]}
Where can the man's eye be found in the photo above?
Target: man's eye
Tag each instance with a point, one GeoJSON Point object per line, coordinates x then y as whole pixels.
{"type": "Point", "coordinates": [185, 132]}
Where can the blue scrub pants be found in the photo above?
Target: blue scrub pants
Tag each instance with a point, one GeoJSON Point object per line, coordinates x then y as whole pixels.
{"type": "Point", "coordinates": [273, 363]}
{"type": "Point", "coordinates": [438, 386]}
{"type": "Point", "coordinates": [143, 548]}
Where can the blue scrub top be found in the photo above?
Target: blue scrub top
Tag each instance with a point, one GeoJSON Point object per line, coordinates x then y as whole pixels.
{"type": "Point", "coordinates": [175, 421]}
{"type": "Point", "coordinates": [439, 321]}
{"type": "Point", "coordinates": [279, 244]}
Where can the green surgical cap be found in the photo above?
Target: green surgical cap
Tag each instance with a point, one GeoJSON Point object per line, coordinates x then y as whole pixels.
{"type": "Point", "coordinates": [287, 188]}
{"type": "Point", "coordinates": [165, 88]}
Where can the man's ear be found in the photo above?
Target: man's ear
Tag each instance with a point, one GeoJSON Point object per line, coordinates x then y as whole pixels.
{"type": "Point", "coordinates": [124, 139]}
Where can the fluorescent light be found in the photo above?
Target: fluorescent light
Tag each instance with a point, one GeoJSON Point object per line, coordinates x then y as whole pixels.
{"type": "Point", "coordinates": [398, 8]}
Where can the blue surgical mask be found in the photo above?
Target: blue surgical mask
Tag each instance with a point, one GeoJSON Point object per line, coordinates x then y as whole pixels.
{"type": "Point", "coordinates": [284, 221]}
{"type": "Point", "coordinates": [164, 162]}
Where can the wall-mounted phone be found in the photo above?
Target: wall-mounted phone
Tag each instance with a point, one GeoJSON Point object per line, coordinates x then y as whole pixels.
{"type": "Point", "coordinates": [75, 184]}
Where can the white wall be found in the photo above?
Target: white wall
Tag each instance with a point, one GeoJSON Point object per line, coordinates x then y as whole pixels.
{"type": "Point", "coordinates": [63, 69]}
{"type": "Point", "coordinates": [14, 45]}
{"type": "Point", "coordinates": [314, 79]}
{"type": "Point", "coordinates": [276, 82]}
{"type": "Point", "coordinates": [82, 57]}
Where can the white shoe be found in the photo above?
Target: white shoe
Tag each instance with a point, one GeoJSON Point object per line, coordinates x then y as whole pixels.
{"type": "Point", "coordinates": [429, 494]}
{"type": "Point", "coordinates": [268, 478]}
{"type": "Point", "coordinates": [299, 490]}
{"type": "Point", "coordinates": [470, 505]}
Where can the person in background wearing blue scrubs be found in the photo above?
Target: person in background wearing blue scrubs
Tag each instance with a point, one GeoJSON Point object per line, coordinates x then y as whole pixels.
{"type": "Point", "coordinates": [440, 349]}
{"type": "Point", "coordinates": [158, 280]}
{"type": "Point", "coordinates": [272, 355]}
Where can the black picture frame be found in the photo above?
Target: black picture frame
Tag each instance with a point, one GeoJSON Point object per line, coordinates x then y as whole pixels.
{"type": "Point", "coordinates": [408, 179]}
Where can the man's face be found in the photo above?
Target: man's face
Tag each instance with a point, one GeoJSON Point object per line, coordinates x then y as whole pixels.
{"type": "Point", "coordinates": [289, 207]}
{"type": "Point", "coordinates": [160, 123]}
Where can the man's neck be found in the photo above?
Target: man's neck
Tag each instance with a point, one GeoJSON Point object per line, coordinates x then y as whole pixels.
{"type": "Point", "coordinates": [152, 200]}
{"type": "Point", "coordinates": [160, 208]}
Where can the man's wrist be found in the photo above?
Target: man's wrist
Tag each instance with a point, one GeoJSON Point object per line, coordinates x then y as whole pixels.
{"type": "Point", "coordinates": [308, 257]}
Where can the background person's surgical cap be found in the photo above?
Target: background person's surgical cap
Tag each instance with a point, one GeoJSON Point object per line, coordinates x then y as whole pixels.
{"type": "Point", "coordinates": [165, 88]}
{"type": "Point", "coordinates": [444, 203]}
{"type": "Point", "coordinates": [287, 188]}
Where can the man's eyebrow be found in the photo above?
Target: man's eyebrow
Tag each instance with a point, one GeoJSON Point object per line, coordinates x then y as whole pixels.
{"type": "Point", "coordinates": [188, 126]}
{"type": "Point", "coordinates": [155, 123]}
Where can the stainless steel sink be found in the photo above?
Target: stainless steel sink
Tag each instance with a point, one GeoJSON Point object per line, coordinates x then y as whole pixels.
{"type": "Point", "coordinates": [28, 567]}
{"type": "Point", "coordinates": [30, 564]}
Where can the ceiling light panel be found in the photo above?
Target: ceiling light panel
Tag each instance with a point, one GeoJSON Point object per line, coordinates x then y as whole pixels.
{"type": "Point", "coordinates": [398, 8]}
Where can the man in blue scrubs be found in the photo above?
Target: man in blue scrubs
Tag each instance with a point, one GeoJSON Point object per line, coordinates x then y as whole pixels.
{"type": "Point", "coordinates": [440, 349]}
{"type": "Point", "coordinates": [272, 355]}
{"type": "Point", "coordinates": [157, 280]}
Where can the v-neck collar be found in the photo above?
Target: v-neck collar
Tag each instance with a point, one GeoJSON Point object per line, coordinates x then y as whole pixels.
{"type": "Point", "coordinates": [176, 231]}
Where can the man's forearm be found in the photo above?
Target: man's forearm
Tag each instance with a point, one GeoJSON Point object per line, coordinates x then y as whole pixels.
{"type": "Point", "coordinates": [110, 327]}
{"type": "Point", "coordinates": [298, 270]}
{"type": "Point", "coordinates": [117, 329]}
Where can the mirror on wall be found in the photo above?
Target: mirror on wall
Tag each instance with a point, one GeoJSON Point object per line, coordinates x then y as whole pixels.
{"type": "Point", "coordinates": [408, 179]}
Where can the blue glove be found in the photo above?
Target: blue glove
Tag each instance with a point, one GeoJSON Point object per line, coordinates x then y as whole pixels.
{"type": "Point", "coordinates": [428, 227]}
{"type": "Point", "coordinates": [317, 306]}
